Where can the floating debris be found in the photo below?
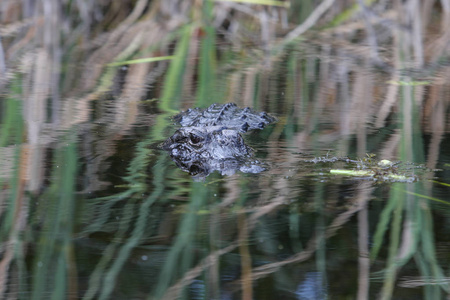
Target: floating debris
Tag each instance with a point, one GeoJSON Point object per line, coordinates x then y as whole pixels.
{"type": "Point", "coordinates": [370, 168]}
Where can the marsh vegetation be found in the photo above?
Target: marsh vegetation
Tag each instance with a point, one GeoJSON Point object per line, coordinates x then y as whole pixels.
{"type": "Point", "coordinates": [92, 208]}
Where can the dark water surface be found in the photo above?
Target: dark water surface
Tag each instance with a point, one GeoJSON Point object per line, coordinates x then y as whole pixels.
{"type": "Point", "coordinates": [92, 208]}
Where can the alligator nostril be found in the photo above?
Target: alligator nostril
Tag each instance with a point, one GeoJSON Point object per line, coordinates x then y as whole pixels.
{"type": "Point", "coordinates": [178, 138]}
{"type": "Point", "coordinates": [194, 170]}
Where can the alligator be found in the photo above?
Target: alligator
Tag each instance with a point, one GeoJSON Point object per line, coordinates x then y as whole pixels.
{"type": "Point", "coordinates": [210, 140]}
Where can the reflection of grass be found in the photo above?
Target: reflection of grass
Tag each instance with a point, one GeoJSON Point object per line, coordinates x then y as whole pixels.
{"type": "Point", "coordinates": [413, 240]}
{"type": "Point", "coordinates": [138, 232]}
{"type": "Point", "coordinates": [115, 255]}
{"type": "Point", "coordinates": [53, 262]}
{"type": "Point", "coordinates": [180, 256]}
{"type": "Point", "coordinates": [416, 238]}
{"type": "Point", "coordinates": [12, 125]}
{"type": "Point", "coordinates": [12, 133]}
{"type": "Point", "coordinates": [15, 208]}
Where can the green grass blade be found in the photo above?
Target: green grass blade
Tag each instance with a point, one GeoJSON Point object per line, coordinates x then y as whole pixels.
{"type": "Point", "coordinates": [440, 183]}
{"type": "Point", "coordinates": [261, 2]}
{"type": "Point", "coordinates": [173, 81]}
{"type": "Point", "coordinates": [347, 14]}
{"type": "Point", "coordinates": [207, 67]}
{"type": "Point", "coordinates": [140, 61]}
{"type": "Point", "coordinates": [427, 197]}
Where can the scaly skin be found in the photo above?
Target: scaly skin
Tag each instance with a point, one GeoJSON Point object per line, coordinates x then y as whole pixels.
{"type": "Point", "coordinates": [210, 140]}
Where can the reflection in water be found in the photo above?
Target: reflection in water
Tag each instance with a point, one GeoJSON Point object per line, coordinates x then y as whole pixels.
{"type": "Point", "coordinates": [91, 209]}
{"type": "Point", "coordinates": [312, 287]}
{"type": "Point", "coordinates": [197, 288]}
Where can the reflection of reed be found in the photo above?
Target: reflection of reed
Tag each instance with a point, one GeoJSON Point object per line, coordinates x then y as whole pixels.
{"type": "Point", "coordinates": [212, 258]}
{"type": "Point", "coordinates": [267, 269]}
{"type": "Point", "coordinates": [19, 217]}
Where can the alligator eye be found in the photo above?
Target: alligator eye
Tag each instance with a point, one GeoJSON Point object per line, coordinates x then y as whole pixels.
{"type": "Point", "coordinates": [195, 139]}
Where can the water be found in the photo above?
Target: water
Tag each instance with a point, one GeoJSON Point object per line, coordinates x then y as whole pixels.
{"type": "Point", "coordinates": [93, 208]}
